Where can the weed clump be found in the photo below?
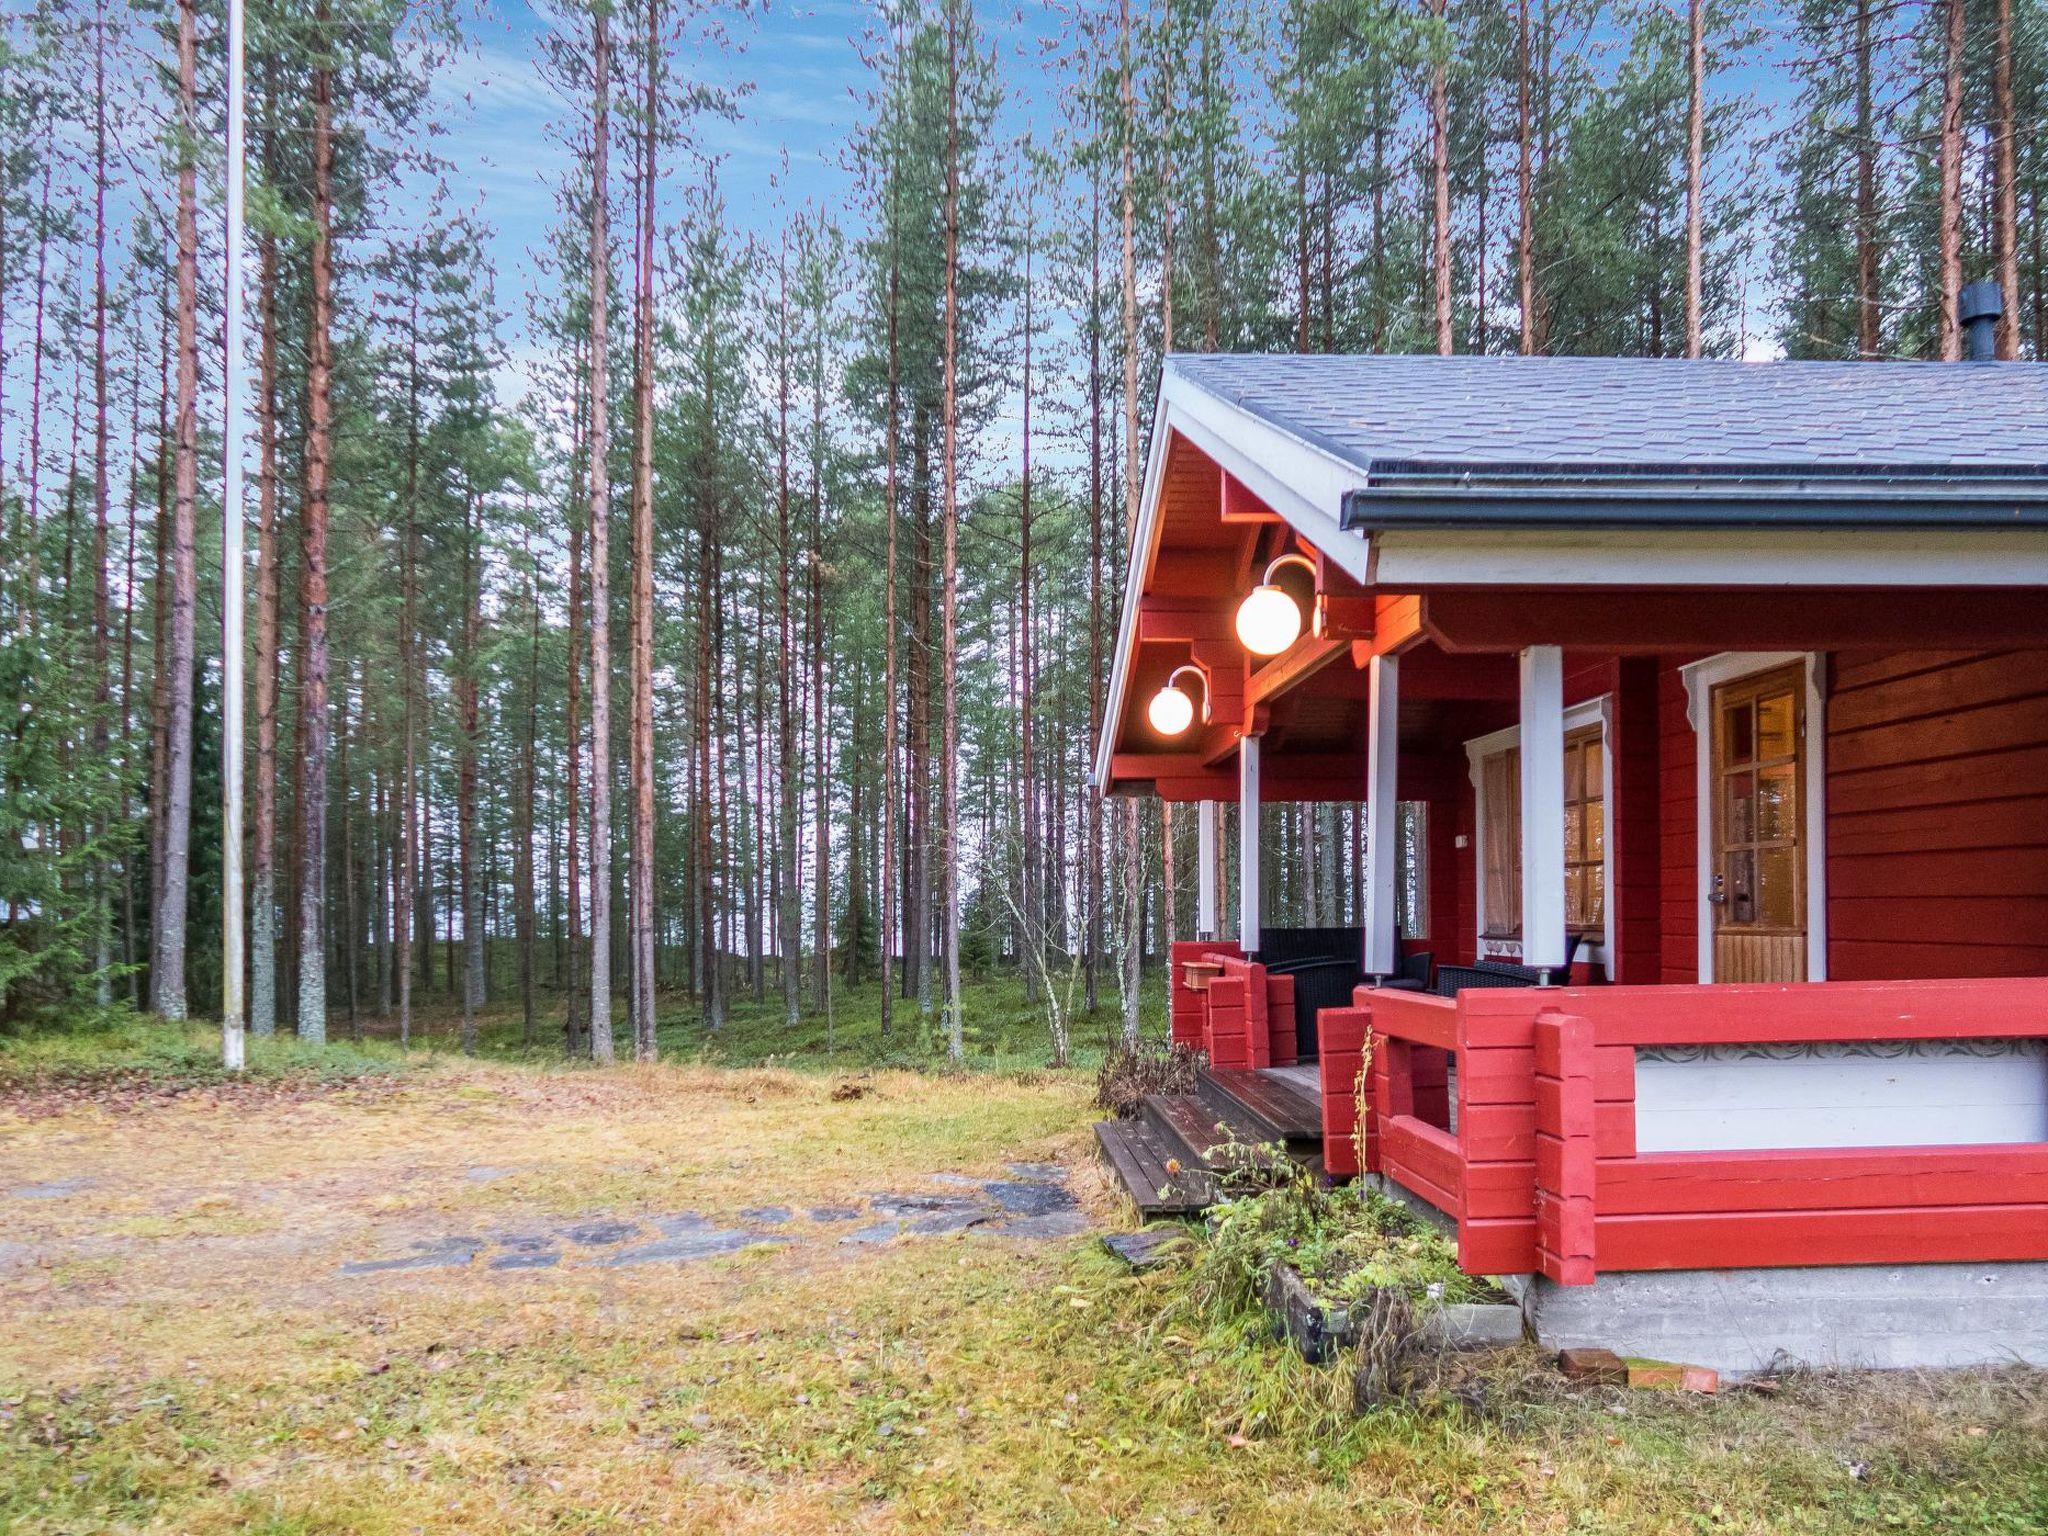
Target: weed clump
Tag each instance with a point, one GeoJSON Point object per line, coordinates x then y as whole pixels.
{"type": "Point", "coordinates": [1128, 1074]}
{"type": "Point", "coordinates": [1347, 1244]}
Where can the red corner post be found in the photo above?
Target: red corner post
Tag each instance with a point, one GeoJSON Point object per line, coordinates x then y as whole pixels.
{"type": "Point", "coordinates": [1224, 1022]}
{"type": "Point", "coordinates": [1342, 1033]}
{"type": "Point", "coordinates": [1565, 1167]}
{"type": "Point", "coordinates": [1188, 1007]}
{"type": "Point", "coordinates": [1280, 1043]}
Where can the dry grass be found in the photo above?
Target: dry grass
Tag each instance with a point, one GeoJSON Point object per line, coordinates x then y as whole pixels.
{"type": "Point", "coordinates": [178, 1353]}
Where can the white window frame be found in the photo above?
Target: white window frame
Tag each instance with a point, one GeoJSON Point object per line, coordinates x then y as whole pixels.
{"type": "Point", "coordinates": [1701, 679]}
{"type": "Point", "coordinates": [1598, 711]}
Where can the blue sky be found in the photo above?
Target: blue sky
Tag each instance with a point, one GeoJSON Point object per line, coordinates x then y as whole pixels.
{"type": "Point", "coordinates": [804, 85]}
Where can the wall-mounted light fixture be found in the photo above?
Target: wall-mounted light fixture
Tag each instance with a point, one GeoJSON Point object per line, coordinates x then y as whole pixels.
{"type": "Point", "coordinates": [1269, 619]}
{"type": "Point", "coordinates": [1171, 710]}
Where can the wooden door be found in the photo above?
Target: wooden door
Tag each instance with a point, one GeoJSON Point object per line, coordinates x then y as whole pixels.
{"type": "Point", "coordinates": [1757, 881]}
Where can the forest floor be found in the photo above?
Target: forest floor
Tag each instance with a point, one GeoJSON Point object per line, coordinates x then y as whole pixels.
{"type": "Point", "coordinates": [444, 1295]}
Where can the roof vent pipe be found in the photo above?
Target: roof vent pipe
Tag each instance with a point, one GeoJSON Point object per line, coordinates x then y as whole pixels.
{"type": "Point", "coordinates": [1978, 307]}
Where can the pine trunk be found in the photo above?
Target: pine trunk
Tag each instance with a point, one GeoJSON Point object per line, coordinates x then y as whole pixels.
{"type": "Point", "coordinates": [167, 954]}
{"type": "Point", "coordinates": [602, 1045]}
{"type": "Point", "coordinates": [642, 753]}
{"type": "Point", "coordinates": [313, 723]}
{"type": "Point", "coordinates": [1950, 211]}
{"type": "Point", "coordinates": [2005, 244]}
{"type": "Point", "coordinates": [1695, 168]}
{"type": "Point", "coordinates": [1869, 316]}
{"type": "Point", "coordinates": [885, 863]}
{"type": "Point", "coordinates": [789, 909]}
{"type": "Point", "coordinates": [263, 904]}
{"type": "Point", "coordinates": [1440, 181]}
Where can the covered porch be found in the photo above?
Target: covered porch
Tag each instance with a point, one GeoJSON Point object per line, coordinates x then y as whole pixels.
{"type": "Point", "coordinates": [1705, 788]}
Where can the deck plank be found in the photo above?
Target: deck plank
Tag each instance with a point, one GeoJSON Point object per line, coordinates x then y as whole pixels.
{"type": "Point", "coordinates": [1279, 1108]}
{"type": "Point", "coordinates": [1139, 1156]}
{"type": "Point", "coordinates": [1213, 1138]}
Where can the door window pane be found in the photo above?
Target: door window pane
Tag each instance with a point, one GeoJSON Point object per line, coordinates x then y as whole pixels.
{"type": "Point", "coordinates": [1741, 891]}
{"type": "Point", "coordinates": [1777, 805]}
{"type": "Point", "coordinates": [1741, 791]}
{"type": "Point", "coordinates": [1775, 723]}
{"type": "Point", "coordinates": [1740, 733]}
{"type": "Point", "coordinates": [1777, 887]}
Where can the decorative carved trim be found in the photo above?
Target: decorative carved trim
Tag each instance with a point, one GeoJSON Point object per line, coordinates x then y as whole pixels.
{"type": "Point", "coordinates": [1822, 1050]}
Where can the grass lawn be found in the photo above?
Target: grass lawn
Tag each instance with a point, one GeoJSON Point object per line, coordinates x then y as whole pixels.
{"type": "Point", "coordinates": [182, 1347]}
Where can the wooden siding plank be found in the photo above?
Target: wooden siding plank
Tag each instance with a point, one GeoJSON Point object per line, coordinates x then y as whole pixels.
{"type": "Point", "coordinates": [1878, 1235]}
{"type": "Point", "coordinates": [1822, 1179]}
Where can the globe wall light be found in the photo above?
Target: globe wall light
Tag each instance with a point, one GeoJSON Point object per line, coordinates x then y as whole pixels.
{"type": "Point", "coordinates": [1171, 710]}
{"type": "Point", "coordinates": [1269, 619]}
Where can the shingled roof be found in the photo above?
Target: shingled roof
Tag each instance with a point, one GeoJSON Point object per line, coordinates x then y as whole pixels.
{"type": "Point", "coordinates": [1648, 415]}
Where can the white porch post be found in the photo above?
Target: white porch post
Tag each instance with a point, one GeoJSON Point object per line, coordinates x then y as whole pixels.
{"type": "Point", "coordinates": [1248, 844]}
{"type": "Point", "coordinates": [1382, 900]}
{"type": "Point", "coordinates": [1205, 869]}
{"type": "Point", "coordinates": [1543, 936]}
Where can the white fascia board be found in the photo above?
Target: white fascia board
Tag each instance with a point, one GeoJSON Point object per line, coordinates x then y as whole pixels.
{"type": "Point", "coordinates": [1407, 560]}
{"type": "Point", "coordinates": [1144, 549]}
{"type": "Point", "coordinates": [1298, 480]}
{"type": "Point", "coordinates": [1305, 484]}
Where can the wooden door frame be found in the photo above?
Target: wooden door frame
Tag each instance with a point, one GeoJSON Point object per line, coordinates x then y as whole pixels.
{"type": "Point", "coordinates": [1701, 679]}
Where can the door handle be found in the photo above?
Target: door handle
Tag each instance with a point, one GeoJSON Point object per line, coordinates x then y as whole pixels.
{"type": "Point", "coordinates": [1719, 894]}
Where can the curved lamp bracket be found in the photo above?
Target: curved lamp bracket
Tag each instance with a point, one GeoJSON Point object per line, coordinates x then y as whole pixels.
{"type": "Point", "coordinates": [1201, 673]}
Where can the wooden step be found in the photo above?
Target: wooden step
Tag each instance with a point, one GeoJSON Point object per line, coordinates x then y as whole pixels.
{"type": "Point", "coordinates": [1139, 1155]}
{"type": "Point", "coordinates": [1272, 1108]}
{"type": "Point", "coordinates": [1205, 1134]}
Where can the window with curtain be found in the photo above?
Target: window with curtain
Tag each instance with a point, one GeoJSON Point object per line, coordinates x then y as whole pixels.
{"type": "Point", "coordinates": [1500, 788]}
{"type": "Point", "coordinates": [1585, 836]}
{"type": "Point", "coordinates": [1585, 831]}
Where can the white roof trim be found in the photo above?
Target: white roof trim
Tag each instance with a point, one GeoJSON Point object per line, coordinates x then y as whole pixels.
{"type": "Point", "coordinates": [1408, 560]}
{"type": "Point", "coordinates": [1305, 484]}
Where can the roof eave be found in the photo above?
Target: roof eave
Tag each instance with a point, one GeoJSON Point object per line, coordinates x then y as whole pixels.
{"type": "Point", "coordinates": [1777, 504]}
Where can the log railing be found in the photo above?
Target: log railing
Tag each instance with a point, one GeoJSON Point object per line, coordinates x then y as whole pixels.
{"type": "Point", "coordinates": [1537, 1159]}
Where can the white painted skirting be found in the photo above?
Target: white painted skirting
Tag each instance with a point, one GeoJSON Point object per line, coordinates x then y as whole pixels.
{"type": "Point", "coordinates": [1848, 1094]}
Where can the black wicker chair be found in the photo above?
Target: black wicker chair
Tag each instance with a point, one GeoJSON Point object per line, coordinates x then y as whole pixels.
{"type": "Point", "coordinates": [1414, 973]}
{"type": "Point", "coordinates": [1453, 979]}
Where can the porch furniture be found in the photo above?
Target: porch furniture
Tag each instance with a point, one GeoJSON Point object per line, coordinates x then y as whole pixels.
{"type": "Point", "coordinates": [1324, 964]}
{"type": "Point", "coordinates": [1453, 979]}
{"type": "Point", "coordinates": [1414, 974]}
{"type": "Point", "coordinates": [1318, 984]}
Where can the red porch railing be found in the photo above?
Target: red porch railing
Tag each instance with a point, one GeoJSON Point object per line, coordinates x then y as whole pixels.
{"type": "Point", "coordinates": [1243, 1018]}
{"type": "Point", "coordinates": [1542, 1173]}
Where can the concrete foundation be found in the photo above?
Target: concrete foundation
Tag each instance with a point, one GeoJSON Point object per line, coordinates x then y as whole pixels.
{"type": "Point", "coordinates": [1743, 1321]}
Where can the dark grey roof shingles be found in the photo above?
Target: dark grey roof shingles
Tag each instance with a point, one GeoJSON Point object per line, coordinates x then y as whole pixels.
{"type": "Point", "coordinates": [1649, 412]}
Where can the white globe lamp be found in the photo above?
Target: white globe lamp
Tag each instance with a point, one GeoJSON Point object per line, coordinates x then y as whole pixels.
{"type": "Point", "coordinates": [1269, 619]}
{"type": "Point", "coordinates": [1171, 710]}
{"type": "Point", "coordinates": [1268, 622]}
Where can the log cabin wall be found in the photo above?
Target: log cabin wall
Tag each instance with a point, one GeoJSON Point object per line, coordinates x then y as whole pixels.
{"type": "Point", "coordinates": [1937, 776]}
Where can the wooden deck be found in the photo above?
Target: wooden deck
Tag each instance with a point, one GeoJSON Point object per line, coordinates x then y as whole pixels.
{"type": "Point", "coordinates": [1139, 1154]}
{"type": "Point", "coordinates": [1165, 1159]}
{"type": "Point", "coordinates": [1271, 1099]}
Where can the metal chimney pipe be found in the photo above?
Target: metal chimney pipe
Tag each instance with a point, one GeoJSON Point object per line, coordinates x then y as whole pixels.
{"type": "Point", "coordinates": [1978, 307]}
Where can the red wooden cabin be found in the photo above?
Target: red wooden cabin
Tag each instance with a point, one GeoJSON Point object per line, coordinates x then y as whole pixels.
{"type": "Point", "coordinates": [1729, 683]}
